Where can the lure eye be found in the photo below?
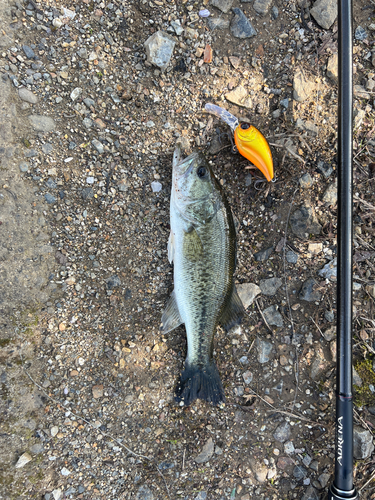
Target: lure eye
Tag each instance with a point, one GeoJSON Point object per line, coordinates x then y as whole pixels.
{"type": "Point", "coordinates": [201, 172]}
{"type": "Point", "coordinates": [245, 126]}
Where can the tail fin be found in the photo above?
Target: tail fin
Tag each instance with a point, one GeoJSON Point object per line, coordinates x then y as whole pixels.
{"type": "Point", "coordinates": [200, 383]}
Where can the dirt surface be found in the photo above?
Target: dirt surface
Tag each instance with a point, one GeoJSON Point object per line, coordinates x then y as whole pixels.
{"type": "Point", "coordinates": [87, 380]}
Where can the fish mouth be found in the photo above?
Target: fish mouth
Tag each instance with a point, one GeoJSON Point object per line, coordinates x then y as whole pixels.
{"type": "Point", "coordinates": [177, 155]}
{"type": "Point", "coordinates": [182, 167]}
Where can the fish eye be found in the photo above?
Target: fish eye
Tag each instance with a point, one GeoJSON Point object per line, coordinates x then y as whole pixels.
{"type": "Point", "coordinates": [245, 126]}
{"type": "Point", "coordinates": [201, 171]}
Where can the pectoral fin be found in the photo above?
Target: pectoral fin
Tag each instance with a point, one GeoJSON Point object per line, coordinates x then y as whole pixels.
{"type": "Point", "coordinates": [171, 318]}
{"type": "Point", "coordinates": [171, 247]}
{"type": "Point", "coordinates": [233, 312]}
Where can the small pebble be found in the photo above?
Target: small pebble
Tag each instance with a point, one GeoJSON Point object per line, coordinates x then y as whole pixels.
{"type": "Point", "coordinates": [291, 257]}
{"type": "Point", "coordinates": [274, 12]}
{"type": "Point", "coordinates": [156, 186]}
{"type": "Point", "coordinates": [264, 350]}
{"type": "Point", "coordinates": [54, 430]}
{"type": "Point", "coordinates": [97, 391]}
{"type": "Point", "coordinates": [285, 103]}
{"type": "Point", "coordinates": [204, 13]}
{"type": "Point", "coordinates": [306, 181]}
{"type": "Point", "coordinates": [324, 168]}
{"type": "Point", "coordinates": [289, 448]}
{"type": "Point", "coordinates": [57, 23]}
{"type": "Point", "coordinates": [282, 432]}
{"type": "Point", "coordinates": [23, 460]}
{"type": "Point", "coordinates": [50, 198]}
{"type": "Point", "coordinates": [360, 33]}
{"type": "Point", "coordinates": [299, 472]}
{"type": "Point", "coordinates": [24, 167]}
{"type": "Point", "coordinates": [47, 148]}
{"type": "Point", "coordinates": [247, 377]}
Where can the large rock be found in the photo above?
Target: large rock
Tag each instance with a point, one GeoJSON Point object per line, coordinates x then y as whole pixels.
{"type": "Point", "coordinates": [241, 26]}
{"type": "Point", "coordinates": [302, 88]}
{"type": "Point", "coordinates": [319, 364]}
{"type": "Point", "coordinates": [332, 68]}
{"type": "Point", "coordinates": [307, 125]}
{"type": "Point", "coordinates": [363, 444]}
{"type": "Point", "coordinates": [263, 255]}
{"type": "Point", "coordinates": [306, 181]}
{"type": "Point", "coordinates": [176, 25]}
{"type": "Point", "coordinates": [310, 494]}
{"type": "Point", "coordinates": [262, 6]}
{"type": "Point", "coordinates": [273, 317]}
{"type": "Point", "coordinates": [259, 470]}
{"type": "Point", "coordinates": [29, 53]}
{"type": "Point", "coordinates": [23, 460]}
{"type": "Point", "coordinates": [299, 472]}
{"type": "Point", "coordinates": [98, 146]}
{"type": "Point", "coordinates": [308, 291]}
{"type": "Point", "coordinates": [360, 33]}
{"type": "Point", "coordinates": [303, 222]}
{"type": "Point", "coordinates": [330, 195]}
{"type": "Point", "coordinates": [223, 5]}
{"type": "Point", "coordinates": [42, 123]}
{"type": "Point", "coordinates": [329, 271]}
{"type": "Point", "coordinates": [282, 432]}
{"type": "Point", "coordinates": [270, 286]}
{"type": "Point", "coordinates": [324, 12]}
{"type": "Point", "coordinates": [264, 350]}
{"type": "Point", "coordinates": [144, 493]}
{"type": "Point", "coordinates": [240, 97]}
{"type": "Point", "coordinates": [216, 23]}
{"type": "Point", "coordinates": [75, 93]}
{"type": "Point", "coordinates": [159, 49]}
{"type": "Point", "coordinates": [206, 453]}
{"type": "Point", "coordinates": [27, 96]}
{"type": "Point", "coordinates": [358, 115]}
{"type": "Point", "coordinates": [324, 168]}
{"type": "Point", "coordinates": [247, 293]}
{"type": "Point", "coordinates": [361, 92]}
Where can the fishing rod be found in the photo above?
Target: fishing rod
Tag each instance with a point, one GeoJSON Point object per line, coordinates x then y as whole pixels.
{"type": "Point", "coordinates": [342, 487]}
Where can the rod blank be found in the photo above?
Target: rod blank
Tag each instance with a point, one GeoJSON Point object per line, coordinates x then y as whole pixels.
{"type": "Point", "coordinates": [342, 487]}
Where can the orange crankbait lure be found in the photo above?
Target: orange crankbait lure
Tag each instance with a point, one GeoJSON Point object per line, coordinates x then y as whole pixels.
{"type": "Point", "coordinates": [250, 142]}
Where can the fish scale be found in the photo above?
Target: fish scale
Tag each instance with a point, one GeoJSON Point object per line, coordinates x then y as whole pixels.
{"type": "Point", "coordinates": [202, 285]}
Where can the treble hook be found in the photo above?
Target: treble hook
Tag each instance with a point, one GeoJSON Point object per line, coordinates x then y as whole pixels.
{"type": "Point", "coordinates": [259, 181]}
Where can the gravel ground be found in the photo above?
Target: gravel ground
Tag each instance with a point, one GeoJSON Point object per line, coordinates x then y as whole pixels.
{"type": "Point", "coordinates": [88, 126]}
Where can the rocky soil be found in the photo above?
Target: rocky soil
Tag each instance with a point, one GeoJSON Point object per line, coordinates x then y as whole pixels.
{"type": "Point", "coordinates": [93, 97]}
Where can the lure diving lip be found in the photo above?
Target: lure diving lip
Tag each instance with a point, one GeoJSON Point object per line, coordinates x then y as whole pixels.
{"type": "Point", "coordinates": [250, 142]}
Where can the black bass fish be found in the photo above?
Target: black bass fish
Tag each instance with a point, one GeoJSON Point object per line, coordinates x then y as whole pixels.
{"type": "Point", "coordinates": [202, 246]}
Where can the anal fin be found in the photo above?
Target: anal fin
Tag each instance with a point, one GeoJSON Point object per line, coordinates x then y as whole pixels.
{"type": "Point", "coordinates": [233, 312]}
{"type": "Point", "coordinates": [171, 318]}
